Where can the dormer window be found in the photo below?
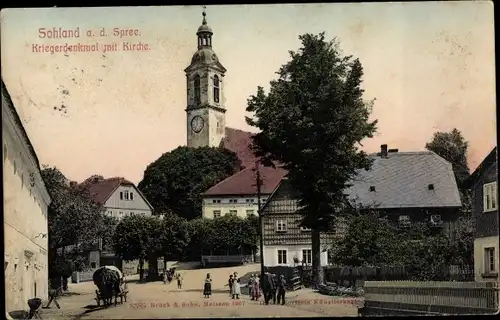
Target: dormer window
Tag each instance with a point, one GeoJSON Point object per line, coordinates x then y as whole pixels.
{"type": "Point", "coordinates": [216, 89]}
{"type": "Point", "coordinates": [430, 186]}
{"type": "Point", "coordinates": [372, 188]}
{"type": "Point", "coordinates": [125, 195]}
{"type": "Point", "coordinates": [197, 89]}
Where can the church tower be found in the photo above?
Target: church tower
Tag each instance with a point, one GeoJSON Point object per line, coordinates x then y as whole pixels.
{"type": "Point", "coordinates": [205, 93]}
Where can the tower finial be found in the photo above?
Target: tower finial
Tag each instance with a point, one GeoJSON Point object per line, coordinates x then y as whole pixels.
{"type": "Point", "coordinates": [204, 14]}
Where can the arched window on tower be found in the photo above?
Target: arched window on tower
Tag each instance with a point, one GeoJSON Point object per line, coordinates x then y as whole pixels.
{"type": "Point", "coordinates": [216, 89]}
{"type": "Point", "coordinates": [197, 92]}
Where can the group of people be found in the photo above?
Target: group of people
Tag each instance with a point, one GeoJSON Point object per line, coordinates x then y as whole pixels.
{"type": "Point", "coordinates": [170, 275]}
{"type": "Point", "coordinates": [274, 288]}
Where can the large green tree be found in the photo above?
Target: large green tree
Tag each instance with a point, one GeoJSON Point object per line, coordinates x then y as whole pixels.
{"type": "Point", "coordinates": [133, 239]}
{"type": "Point", "coordinates": [75, 224]}
{"type": "Point", "coordinates": [313, 121]}
{"type": "Point", "coordinates": [452, 146]}
{"type": "Point", "coordinates": [175, 181]}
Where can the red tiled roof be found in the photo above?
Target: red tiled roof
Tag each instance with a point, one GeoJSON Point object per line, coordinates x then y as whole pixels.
{"type": "Point", "coordinates": [239, 142]}
{"type": "Point", "coordinates": [101, 190]}
{"type": "Point", "coordinates": [244, 182]}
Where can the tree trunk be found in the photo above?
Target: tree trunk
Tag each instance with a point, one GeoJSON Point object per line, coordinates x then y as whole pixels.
{"type": "Point", "coordinates": [317, 272]}
{"type": "Point", "coordinates": [153, 267]}
{"type": "Point", "coordinates": [141, 269]}
{"type": "Point", "coordinates": [164, 263]}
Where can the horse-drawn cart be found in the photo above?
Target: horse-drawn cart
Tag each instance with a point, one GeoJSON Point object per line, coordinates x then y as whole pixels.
{"type": "Point", "coordinates": [110, 283]}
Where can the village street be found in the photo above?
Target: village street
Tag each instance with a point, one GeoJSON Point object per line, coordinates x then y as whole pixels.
{"type": "Point", "coordinates": [157, 300]}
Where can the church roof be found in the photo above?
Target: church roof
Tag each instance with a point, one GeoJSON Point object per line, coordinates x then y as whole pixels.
{"type": "Point", "coordinates": [239, 142]}
{"type": "Point", "coordinates": [244, 182]}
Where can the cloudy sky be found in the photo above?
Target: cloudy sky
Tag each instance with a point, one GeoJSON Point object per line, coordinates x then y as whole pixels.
{"type": "Point", "coordinates": [430, 67]}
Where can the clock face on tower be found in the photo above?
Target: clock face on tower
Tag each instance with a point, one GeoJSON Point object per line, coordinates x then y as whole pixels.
{"type": "Point", "coordinates": [197, 124]}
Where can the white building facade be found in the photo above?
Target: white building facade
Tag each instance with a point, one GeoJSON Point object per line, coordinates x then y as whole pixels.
{"type": "Point", "coordinates": [238, 205]}
{"type": "Point", "coordinates": [26, 202]}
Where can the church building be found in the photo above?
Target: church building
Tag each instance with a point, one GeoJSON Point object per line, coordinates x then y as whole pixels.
{"type": "Point", "coordinates": [206, 126]}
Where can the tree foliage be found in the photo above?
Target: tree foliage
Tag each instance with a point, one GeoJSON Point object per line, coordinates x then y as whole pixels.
{"type": "Point", "coordinates": [312, 121]}
{"type": "Point", "coordinates": [453, 147]}
{"type": "Point", "coordinates": [132, 237]}
{"type": "Point", "coordinates": [175, 181]}
{"type": "Point", "coordinates": [74, 219]}
{"type": "Point", "coordinates": [372, 240]}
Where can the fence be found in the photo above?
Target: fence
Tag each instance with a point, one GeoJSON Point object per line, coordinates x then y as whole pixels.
{"type": "Point", "coordinates": [349, 276]}
{"type": "Point", "coordinates": [414, 298]}
{"type": "Point", "coordinates": [292, 275]}
{"type": "Point", "coordinates": [83, 276]}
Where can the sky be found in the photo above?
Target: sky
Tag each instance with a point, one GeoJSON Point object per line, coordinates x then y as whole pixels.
{"type": "Point", "coordinates": [429, 65]}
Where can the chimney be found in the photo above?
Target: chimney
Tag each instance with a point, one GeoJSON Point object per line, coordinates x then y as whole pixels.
{"type": "Point", "coordinates": [383, 151]}
{"type": "Point", "coordinates": [73, 184]}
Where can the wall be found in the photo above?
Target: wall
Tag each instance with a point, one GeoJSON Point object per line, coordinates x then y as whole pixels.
{"type": "Point", "coordinates": [25, 219]}
{"type": "Point", "coordinates": [479, 259]}
{"type": "Point", "coordinates": [120, 208]}
{"type": "Point", "coordinates": [224, 206]}
{"type": "Point", "coordinates": [486, 222]}
{"type": "Point", "coordinates": [271, 255]}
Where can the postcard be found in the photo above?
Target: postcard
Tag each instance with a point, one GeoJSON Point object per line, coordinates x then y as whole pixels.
{"type": "Point", "coordinates": [273, 160]}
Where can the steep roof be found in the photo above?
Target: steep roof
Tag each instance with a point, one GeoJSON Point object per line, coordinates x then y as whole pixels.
{"type": "Point", "coordinates": [17, 120]}
{"type": "Point", "coordinates": [244, 182]}
{"type": "Point", "coordinates": [102, 190]}
{"type": "Point", "coordinates": [239, 142]}
{"type": "Point", "coordinates": [485, 164]}
{"type": "Point", "coordinates": [403, 179]}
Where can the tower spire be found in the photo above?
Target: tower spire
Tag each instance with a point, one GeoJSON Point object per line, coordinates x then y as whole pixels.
{"type": "Point", "coordinates": [204, 15]}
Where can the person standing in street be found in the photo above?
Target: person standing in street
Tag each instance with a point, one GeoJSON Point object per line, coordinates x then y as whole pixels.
{"type": "Point", "coordinates": [236, 289]}
{"type": "Point", "coordinates": [281, 289]}
{"type": "Point", "coordinates": [207, 289]}
{"type": "Point", "coordinates": [230, 283]}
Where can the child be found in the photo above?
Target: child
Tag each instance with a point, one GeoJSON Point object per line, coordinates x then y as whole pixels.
{"type": "Point", "coordinates": [207, 289]}
{"type": "Point", "coordinates": [236, 289]}
{"type": "Point", "coordinates": [179, 281]}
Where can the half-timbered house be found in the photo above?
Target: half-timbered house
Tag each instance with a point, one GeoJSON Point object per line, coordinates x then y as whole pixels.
{"type": "Point", "coordinates": [405, 187]}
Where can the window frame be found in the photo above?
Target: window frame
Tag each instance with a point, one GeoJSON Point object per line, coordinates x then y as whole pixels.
{"type": "Point", "coordinates": [489, 260]}
{"type": "Point", "coordinates": [490, 193]}
{"type": "Point", "coordinates": [280, 257]}
{"type": "Point", "coordinates": [250, 212]}
{"type": "Point", "coordinates": [217, 214]}
{"type": "Point", "coordinates": [281, 222]}
{"type": "Point", "coordinates": [233, 212]}
{"type": "Point", "coordinates": [307, 256]}
{"type": "Point", "coordinates": [216, 84]}
{"type": "Point", "coordinates": [197, 88]}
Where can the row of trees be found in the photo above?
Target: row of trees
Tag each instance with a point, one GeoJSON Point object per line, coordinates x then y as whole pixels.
{"type": "Point", "coordinates": [168, 236]}
{"type": "Point", "coordinates": [75, 222]}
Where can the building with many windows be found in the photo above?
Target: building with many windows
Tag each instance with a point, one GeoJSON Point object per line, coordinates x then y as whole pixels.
{"type": "Point", "coordinates": [26, 202]}
{"type": "Point", "coordinates": [483, 183]}
{"type": "Point", "coordinates": [237, 194]}
{"type": "Point", "coordinates": [406, 187]}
